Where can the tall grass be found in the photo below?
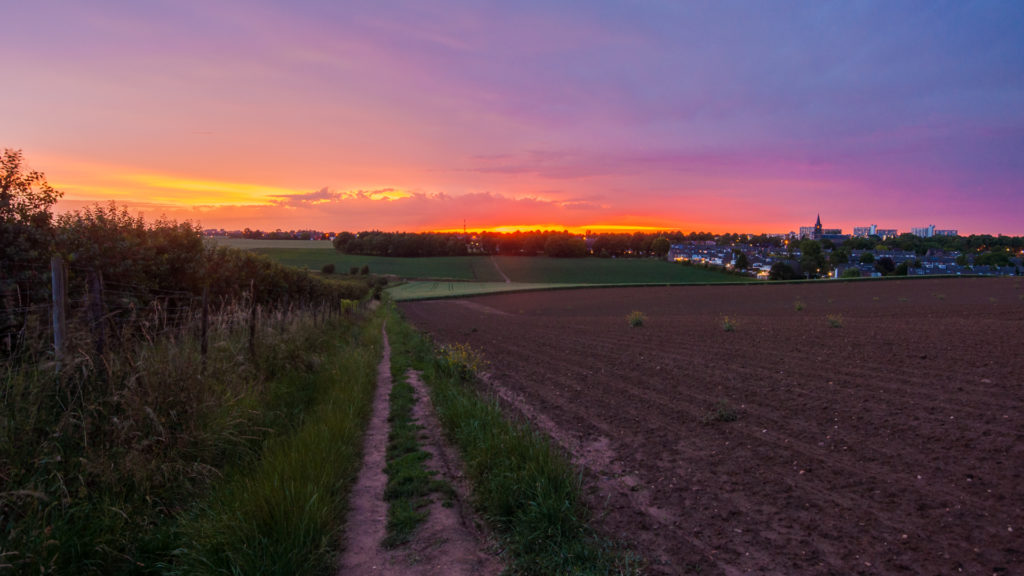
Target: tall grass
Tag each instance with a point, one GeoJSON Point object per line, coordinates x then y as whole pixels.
{"type": "Point", "coordinates": [283, 516]}
{"type": "Point", "coordinates": [99, 461]}
{"type": "Point", "coordinates": [523, 486]}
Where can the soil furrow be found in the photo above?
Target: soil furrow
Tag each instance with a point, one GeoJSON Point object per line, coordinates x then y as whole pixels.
{"type": "Point", "coordinates": [889, 444]}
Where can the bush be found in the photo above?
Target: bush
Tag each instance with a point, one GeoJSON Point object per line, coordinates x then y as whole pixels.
{"type": "Point", "coordinates": [728, 325]}
{"type": "Point", "coordinates": [636, 318]}
{"type": "Point", "coordinates": [851, 273]}
{"type": "Point", "coordinates": [364, 270]}
{"type": "Point", "coordinates": [722, 412]}
{"type": "Point", "coordinates": [328, 269]}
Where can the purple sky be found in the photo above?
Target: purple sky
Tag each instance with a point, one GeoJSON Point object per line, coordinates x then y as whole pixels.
{"type": "Point", "coordinates": [722, 116]}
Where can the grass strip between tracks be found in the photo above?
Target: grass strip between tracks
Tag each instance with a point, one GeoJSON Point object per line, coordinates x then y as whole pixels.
{"type": "Point", "coordinates": [284, 515]}
{"type": "Point", "coordinates": [525, 489]}
{"type": "Point", "coordinates": [409, 484]}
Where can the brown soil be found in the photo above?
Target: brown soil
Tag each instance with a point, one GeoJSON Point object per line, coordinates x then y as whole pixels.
{"type": "Point", "coordinates": [893, 443]}
{"type": "Point", "coordinates": [449, 542]}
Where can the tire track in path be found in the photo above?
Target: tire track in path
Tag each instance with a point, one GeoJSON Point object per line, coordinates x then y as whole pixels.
{"type": "Point", "coordinates": [448, 541]}
{"type": "Point", "coordinates": [500, 271]}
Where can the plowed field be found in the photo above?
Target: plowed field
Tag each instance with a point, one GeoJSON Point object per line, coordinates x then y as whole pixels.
{"type": "Point", "coordinates": [889, 439]}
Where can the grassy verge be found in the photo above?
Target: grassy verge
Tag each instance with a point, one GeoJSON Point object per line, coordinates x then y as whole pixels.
{"type": "Point", "coordinates": [99, 465]}
{"type": "Point", "coordinates": [525, 488]}
{"type": "Point", "coordinates": [284, 515]}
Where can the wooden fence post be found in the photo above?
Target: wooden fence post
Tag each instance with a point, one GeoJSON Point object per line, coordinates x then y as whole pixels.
{"type": "Point", "coordinates": [252, 319]}
{"type": "Point", "coordinates": [204, 342]}
{"type": "Point", "coordinates": [99, 335]}
{"type": "Point", "coordinates": [59, 285]}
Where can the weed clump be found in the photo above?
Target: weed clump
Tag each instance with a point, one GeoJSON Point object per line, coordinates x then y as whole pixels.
{"type": "Point", "coordinates": [835, 320]}
{"type": "Point", "coordinates": [722, 412]}
{"type": "Point", "coordinates": [798, 305]}
{"type": "Point", "coordinates": [460, 360]}
{"type": "Point", "coordinates": [728, 324]}
{"type": "Point", "coordinates": [636, 318]}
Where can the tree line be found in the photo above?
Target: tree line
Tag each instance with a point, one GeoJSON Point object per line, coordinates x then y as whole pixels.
{"type": "Point", "coordinates": [558, 244]}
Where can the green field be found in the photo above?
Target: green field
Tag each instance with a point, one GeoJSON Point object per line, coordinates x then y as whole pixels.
{"type": "Point", "coordinates": [314, 255]}
{"type": "Point", "coordinates": [428, 290]}
{"type": "Point", "coordinates": [606, 271]}
{"type": "Point", "coordinates": [451, 276]}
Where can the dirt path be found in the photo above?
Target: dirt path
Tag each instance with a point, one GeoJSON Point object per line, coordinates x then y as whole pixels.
{"type": "Point", "coordinates": [500, 271]}
{"type": "Point", "coordinates": [448, 542]}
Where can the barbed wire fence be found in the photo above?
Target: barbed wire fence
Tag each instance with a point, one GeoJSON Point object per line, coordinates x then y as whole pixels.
{"type": "Point", "coordinates": [87, 314]}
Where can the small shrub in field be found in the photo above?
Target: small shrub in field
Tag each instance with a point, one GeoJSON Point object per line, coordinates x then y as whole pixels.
{"type": "Point", "coordinates": [364, 270]}
{"type": "Point", "coordinates": [460, 360]}
{"type": "Point", "coordinates": [835, 320]}
{"type": "Point", "coordinates": [722, 412]}
{"type": "Point", "coordinates": [940, 296]}
{"type": "Point", "coordinates": [798, 305]}
{"type": "Point", "coordinates": [328, 269]}
{"type": "Point", "coordinates": [636, 318]}
{"type": "Point", "coordinates": [728, 324]}
{"type": "Point", "coordinates": [353, 270]}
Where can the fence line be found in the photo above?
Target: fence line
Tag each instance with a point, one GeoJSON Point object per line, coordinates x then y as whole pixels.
{"type": "Point", "coordinates": [105, 318]}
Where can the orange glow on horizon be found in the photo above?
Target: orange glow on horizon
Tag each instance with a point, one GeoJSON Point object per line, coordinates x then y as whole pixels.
{"type": "Point", "coordinates": [598, 228]}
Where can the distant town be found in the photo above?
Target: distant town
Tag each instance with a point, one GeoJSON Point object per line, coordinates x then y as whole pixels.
{"type": "Point", "coordinates": [813, 252]}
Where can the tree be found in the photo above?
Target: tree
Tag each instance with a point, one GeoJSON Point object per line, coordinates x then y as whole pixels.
{"type": "Point", "coordinates": [885, 265]}
{"type": "Point", "coordinates": [26, 230]}
{"type": "Point", "coordinates": [341, 241]}
{"type": "Point", "coordinates": [782, 271]}
{"type": "Point", "coordinates": [25, 196]}
{"type": "Point", "coordinates": [565, 246]}
{"type": "Point", "coordinates": [867, 258]}
{"type": "Point", "coordinates": [851, 273]}
{"type": "Point", "coordinates": [660, 246]}
{"type": "Point", "coordinates": [838, 256]}
{"type": "Point", "coordinates": [812, 260]}
{"type": "Point", "coordinates": [741, 262]}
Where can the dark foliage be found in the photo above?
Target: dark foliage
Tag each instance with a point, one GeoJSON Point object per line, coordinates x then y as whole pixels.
{"type": "Point", "coordinates": [782, 271]}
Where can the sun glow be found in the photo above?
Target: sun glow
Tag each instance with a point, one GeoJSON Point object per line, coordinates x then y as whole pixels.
{"type": "Point", "coordinates": [596, 228]}
{"type": "Point", "coordinates": [207, 192]}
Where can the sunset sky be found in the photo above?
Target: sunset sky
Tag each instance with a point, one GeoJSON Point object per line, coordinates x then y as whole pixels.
{"type": "Point", "coordinates": [749, 116]}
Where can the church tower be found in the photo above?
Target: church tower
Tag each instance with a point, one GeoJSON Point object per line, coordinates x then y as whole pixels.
{"type": "Point", "coordinates": [817, 228]}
